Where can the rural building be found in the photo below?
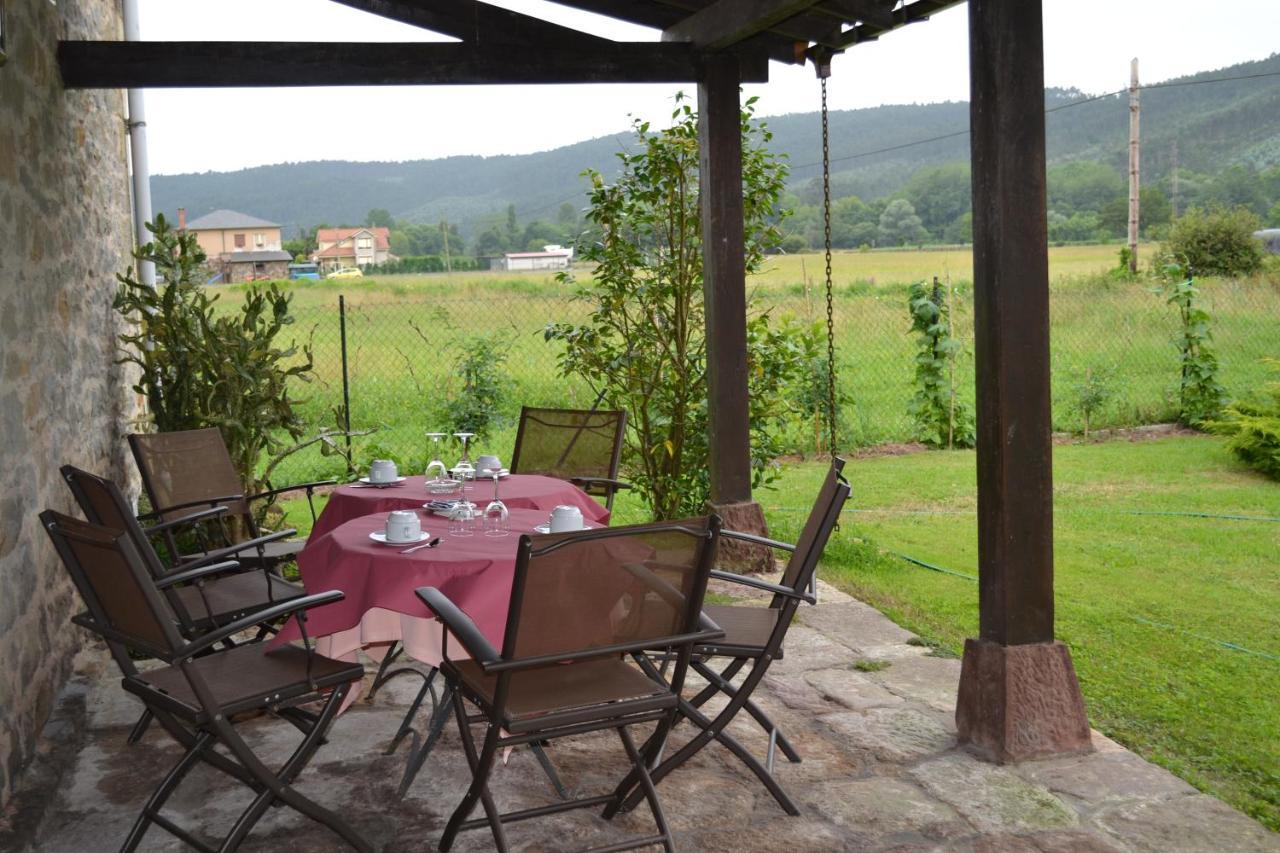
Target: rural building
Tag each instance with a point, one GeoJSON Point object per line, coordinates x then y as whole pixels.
{"type": "Point", "coordinates": [1270, 238]}
{"type": "Point", "coordinates": [240, 267]}
{"type": "Point", "coordinates": [550, 258]}
{"type": "Point", "coordinates": [337, 248]}
{"type": "Point", "coordinates": [226, 231]}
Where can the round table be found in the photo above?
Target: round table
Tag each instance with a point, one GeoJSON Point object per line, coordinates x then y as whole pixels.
{"type": "Point", "coordinates": [518, 491]}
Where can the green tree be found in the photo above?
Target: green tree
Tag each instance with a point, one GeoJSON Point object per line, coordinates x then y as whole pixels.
{"type": "Point", "coordinates": [1084, 186]}
{"type": "Point", "coordinates": [643, 343]}
{"type": "Point", "coordinates": [379, 218]}
{"type": "Point", "coordinates": [940, 195]}
{"type": "Point", "coordinates": [1216, 241]}
{"type": "Point", "coordinates": [899, 224]}
{"type": "Point", "coordinates": [513, 228]}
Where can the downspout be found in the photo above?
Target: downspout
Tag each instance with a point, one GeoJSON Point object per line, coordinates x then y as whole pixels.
{"type": "Point", "coordinates": [137, 124]}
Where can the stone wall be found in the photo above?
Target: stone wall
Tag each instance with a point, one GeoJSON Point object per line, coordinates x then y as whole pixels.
{"type": "Point", "coordinates": [64, 229]}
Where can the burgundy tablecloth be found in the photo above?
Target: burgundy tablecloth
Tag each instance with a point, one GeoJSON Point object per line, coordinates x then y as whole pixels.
{"type": "Point", "coordinates": [519, 491]}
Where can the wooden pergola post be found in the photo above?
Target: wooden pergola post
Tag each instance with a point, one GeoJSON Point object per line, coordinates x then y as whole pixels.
{"type": "Point", "coordinates": [725, 293]}
{"type": "Point", "coordinates": [1019, 697]}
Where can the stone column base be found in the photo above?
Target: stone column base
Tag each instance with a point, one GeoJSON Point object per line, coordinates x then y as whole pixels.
{"type": "Point", "coordinates": [1020, 702]}
{"type": "Point", "coordinates": [747, 517]}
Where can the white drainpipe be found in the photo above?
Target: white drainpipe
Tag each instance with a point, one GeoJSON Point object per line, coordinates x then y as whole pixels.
{"type": "Point", "coordinates": [137, 125]}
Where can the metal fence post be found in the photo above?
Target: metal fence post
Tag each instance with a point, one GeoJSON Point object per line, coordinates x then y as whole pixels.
{"type": "Point", "coordinates": [346, 383]}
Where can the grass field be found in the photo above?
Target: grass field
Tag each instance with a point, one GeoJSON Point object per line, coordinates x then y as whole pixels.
{"type": "Point", "coordinates": [1171, 619]}
{"type": "Point", "coordinates": [405, 335]}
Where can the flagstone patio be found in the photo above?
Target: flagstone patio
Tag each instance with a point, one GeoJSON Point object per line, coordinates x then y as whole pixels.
{"type": "Point", "coordinates": [881, 771]}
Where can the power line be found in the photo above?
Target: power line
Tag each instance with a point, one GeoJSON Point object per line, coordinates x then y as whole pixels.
{"type": "Point", "coordinates": [1059, 108]}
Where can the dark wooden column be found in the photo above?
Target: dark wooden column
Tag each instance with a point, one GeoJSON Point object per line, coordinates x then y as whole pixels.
{"type": "Point", "coordinates": [725, 290]}
{"type": "Point", "coordinates": [1019, 697]}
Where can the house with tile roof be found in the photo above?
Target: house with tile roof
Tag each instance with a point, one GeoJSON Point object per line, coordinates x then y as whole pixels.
{"type": "Point", "coordinates": [224, 232]}
{"type": "Point", "coordinates": [338, 248]}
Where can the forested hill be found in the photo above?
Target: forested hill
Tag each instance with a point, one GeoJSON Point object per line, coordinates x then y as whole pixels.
{"type": "Point", "coordinates": [1214, 125]}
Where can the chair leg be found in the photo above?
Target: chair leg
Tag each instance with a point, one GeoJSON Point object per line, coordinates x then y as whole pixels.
{"type": "Point", "coordinates": [481, 766]}
{"type": "Point", "coordinates": [278, 785]}
{"type": "Point", "coordinates": [161, 794]}
{"type": "Point", "coordinates": [549, 769]}
{"type": "Point", "coordinates": [140, 728]}
{"type": "Point", "coordinates": [647, 786]}
{"type": "Point", "coordinates": [389, 658]}
{"type": "Point", "coordinates": [419, 754]}
{"type": "Point", "coordinates": [757, 713]}
{"type": "Point", "coordinates": [406, 724]}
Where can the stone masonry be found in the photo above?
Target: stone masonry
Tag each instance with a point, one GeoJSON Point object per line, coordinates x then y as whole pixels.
{"type": "Point", "coordinates": [64, 226]}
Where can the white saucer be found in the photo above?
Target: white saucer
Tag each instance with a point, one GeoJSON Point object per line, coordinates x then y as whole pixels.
{"type": "Point", "coordinates": [380, 536]}
{"type": "Point", "coordinates": [502, 475]}
{"type": "Point", "coordinates": [546, 528]}
{"type": "Point", "coordinates": [369, 482]}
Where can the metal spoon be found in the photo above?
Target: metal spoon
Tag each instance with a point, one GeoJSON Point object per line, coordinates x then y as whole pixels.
{"type": "Point", "coordinates": [433, 543]}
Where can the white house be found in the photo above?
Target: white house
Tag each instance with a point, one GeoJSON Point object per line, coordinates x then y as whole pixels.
{"type": "Point", "coordinates": [550, 258]}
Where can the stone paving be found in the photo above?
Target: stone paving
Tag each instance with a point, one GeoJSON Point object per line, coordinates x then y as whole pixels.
{"type": "Point", "coordinates": [870, 712]}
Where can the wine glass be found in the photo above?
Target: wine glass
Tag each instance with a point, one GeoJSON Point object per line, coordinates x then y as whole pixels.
{"type": "Point", "coordinates": [495, 514]}
{"type": "Point", "coordinates": [464, 470]}
{"type": "Point", "coordinates": [462, 520]}
{"type": "Point", "coordinates": [435, 468]}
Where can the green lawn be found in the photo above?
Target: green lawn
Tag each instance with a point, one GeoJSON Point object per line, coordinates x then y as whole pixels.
{"type": "Point", "coordinates": [405, 335]}
{"type": "Point", "coordinates": [1148, 603]}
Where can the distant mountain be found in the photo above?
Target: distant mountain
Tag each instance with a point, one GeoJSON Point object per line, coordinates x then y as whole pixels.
{"type": "Point", "coordinates": [1214, 125]}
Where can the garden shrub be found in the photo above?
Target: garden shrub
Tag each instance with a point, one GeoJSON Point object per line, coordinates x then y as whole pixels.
{"type": "Point", "coordinates": [1216, 241]}
{"type": "Point", "coordinates": [1200, 394]}
{"type": "Point", "coordinates": [940, 419]}
{"type": "Point", "coordinates": [1252, 426]}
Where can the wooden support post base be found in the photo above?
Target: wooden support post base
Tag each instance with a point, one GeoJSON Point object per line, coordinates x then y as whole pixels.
{"type": "Point", "coordinates": [1020, 702]}
{"type": "Point", "coordinates": [747, 517]}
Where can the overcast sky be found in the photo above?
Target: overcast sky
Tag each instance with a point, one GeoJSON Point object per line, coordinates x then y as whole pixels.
{"type": "Point", "coordinates": [1088, 46]}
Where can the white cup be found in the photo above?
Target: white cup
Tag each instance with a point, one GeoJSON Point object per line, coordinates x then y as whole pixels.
{"type": "Point", "coordinates": [565, 518]}
{"type": "Point", "coordinates": [488, 463]}
{"type": "Point", "coordinates": [403, 525]}
{"type": "Point", "coordinates": [382, 471]}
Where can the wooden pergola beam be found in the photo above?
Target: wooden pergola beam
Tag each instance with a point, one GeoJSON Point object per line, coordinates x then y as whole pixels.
{"type": "Point", "coordinates": [199, 64]}
{"type": "Point", "coordinates": [475, 22]}
{"type": "Point", "coordinates": [727, 22]}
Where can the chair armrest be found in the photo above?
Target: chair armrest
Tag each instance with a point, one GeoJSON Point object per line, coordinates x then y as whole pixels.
{"type": "Point", "coordinates": [191, 518]}
{"type": "Point", "coordinates": [460, 625]}
{"type": "Point", "coordinates": [757, 583]}
{"type": "Point", "coordinates": [270, 614]}
{"type": "Point", "coordinates": [293, 488]}
{"type": "Point", "coordinates": [616, 485]}
{"type": "Point", "coordinates": [758, 540]}
{"type": "Point", "coordinates": [696, 638]}
{"type": "Point", "coordinates": [239, 547]}
{"type": "Point", "coordinates": [196, 573]}
{"type": "Point", "coordinates": [156, 513]}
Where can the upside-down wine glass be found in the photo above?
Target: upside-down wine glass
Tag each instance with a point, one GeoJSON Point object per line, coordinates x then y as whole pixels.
{"type": "Point", "coordinates": [436, 470]}
{"type": "Point", "coordinates": [464, 469]}
{"type": "Point", "coordinates": [495, 514]}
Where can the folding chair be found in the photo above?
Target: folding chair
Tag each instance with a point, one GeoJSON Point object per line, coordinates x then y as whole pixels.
{"type": "Point", "coordinates": [217, 595]}
{"type": "Point", "coordinates": [583, 446]}
{"type": "Point", "coordinates": [580, 602]}
{"type": "Point", "coordinates": [192, 469]}
{"type": "Point", "coordinates": [200, 690]}
{"type": "Point", "coordinates": [754, 635]}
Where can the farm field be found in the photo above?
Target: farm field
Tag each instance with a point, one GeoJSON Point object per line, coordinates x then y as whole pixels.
{"type": "Point", "coordinates": [407, 335]}
{"type": "Point", "coordinates": [1170, 619]}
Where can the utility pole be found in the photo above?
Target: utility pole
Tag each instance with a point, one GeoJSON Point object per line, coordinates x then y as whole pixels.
{"type": "Point", "coordinates": [1134, 150]}
{"type": "Point", "coordinates": [444, 228]}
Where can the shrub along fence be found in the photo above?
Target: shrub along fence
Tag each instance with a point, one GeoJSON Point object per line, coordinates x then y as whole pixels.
{"type": "Point", "coordinates": [447, 361]}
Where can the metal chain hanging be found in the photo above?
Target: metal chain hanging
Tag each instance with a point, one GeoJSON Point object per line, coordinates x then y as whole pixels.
{"type": "Point", "coordinates": [824, 71]}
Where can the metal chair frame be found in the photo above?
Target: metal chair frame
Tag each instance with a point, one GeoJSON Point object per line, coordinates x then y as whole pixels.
{"type": "Point", "coordinates": [660, 708]}
{"type": "Point", "coordinates": [202, 725]}
{"type": "Point", "coordinates": [786, 600]}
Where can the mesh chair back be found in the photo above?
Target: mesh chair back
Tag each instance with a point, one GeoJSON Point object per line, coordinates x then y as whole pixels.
{"type": "Point", "coordinates": [103, 504]}
{"type": "Point", "coordinates": [640, 584]}
{"type": "Point", "coordinates": [114, 584]}
{"type": "Point", "coordinates": [182, 467]}
{"type": "Point", "coordinates": [568, 443]}
{"type": "Point", "coordinates": [817, 529]}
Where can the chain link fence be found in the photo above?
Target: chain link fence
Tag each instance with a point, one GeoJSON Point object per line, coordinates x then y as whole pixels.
{"type": "Point", "coordinates": [412, 345]}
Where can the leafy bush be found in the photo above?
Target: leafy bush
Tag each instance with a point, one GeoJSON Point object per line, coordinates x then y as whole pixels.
{"type": "Point", "coordinates": [422, 264]}
{"type": "Point", "coordinates": [1216, 241]}
{"type": "Point", "coordinates": [941, 420]}
{"type": "Point", "coordinates": [1253, 426]}
{"type": "Point", "coordinates": [1200, 394]}
{"type": "Point", "coordinates": [201, 367]}
{"type": "Point", "coordinates": [644, 342]}
{"type": "Point", "coordinates": [1092, 393]}
{"type": "Point", "coordinates": [474, 408]}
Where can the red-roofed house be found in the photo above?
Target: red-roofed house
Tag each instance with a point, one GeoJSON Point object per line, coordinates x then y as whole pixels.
{"type": "Point", "coordinates": [337, 248]}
